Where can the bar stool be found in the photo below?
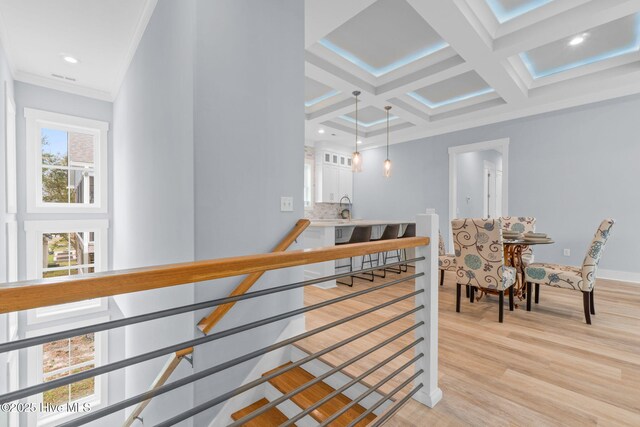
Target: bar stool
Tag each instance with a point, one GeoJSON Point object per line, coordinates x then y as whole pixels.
{"type": "Point", "coordinates": [390, 232]}
{"type": "Point", "coordinates": [360, 234]}
{"type": "Point", "coordinates": [410, 231]}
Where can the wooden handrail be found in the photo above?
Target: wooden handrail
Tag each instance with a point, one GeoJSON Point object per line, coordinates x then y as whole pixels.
{"type": "Point", "coordinates": [45, 292]}
{"type": "Point", "coordinates": [208, 322]}
{"type": "Point", "coordinates": [168, 368]}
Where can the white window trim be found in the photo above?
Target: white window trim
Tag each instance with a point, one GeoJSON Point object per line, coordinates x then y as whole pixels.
{"type": "Point", "coordinates": [35, 120]}
{"type": "Point", "coordinates": [34, 231]}
{"type": "Point", "coordinates": [35, 375]}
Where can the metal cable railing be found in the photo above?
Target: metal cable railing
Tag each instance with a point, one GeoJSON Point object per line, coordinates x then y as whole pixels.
{"type": "Point", "coordinates": [168, 387]}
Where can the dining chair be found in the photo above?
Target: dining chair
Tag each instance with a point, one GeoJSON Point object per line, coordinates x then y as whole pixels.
{"type": "Point", "coordinates": [446, 262]}
{"type": "Point", "coordinates": [568, 277]}
{"type": "Point", "coordinates": [480, 260]}
{"type": "Point", "coordinates": [521, 224]}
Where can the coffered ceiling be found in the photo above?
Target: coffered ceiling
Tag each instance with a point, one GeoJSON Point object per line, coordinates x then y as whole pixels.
{"type": "Point", "coordinates": [445, 66]}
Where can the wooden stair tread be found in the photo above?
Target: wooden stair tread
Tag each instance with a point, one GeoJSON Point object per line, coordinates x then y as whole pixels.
{"type": "Point", "coordinates": [297, 377]}
{"type": "Point", "coordinates": [272, 418]}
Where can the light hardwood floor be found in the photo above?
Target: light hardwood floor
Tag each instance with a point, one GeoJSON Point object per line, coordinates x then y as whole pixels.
{"type": "Point", "coordinates": [544, 367]}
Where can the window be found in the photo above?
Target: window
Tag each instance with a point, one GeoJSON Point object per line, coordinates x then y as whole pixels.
{"type": "Point", "coordinates": [62, 358]}
{"type": "Point", "coordinates": [65, 248]}
{"type": "Point", "coordinates": [66, 163]}
{"type": "Point", "coordinates": [308, 183]}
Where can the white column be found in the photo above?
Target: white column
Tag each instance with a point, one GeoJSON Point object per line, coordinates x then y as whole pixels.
{"type": "Point", "coordinates": [430, 393]}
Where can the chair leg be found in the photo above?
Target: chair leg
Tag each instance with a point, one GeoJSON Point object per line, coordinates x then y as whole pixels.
{"type": "Point", "coordinates": [472, 292]}
{"type": "Point", "coordinates": [350, 284]}
{"type": "Point", "coordinates": [510, 298]}
{"type": "Point", "coordinates": [458, 292]}
{"type": "Point", "coordinates": [593, 307]}
{"type": "Point", "coordinates": [467, 291]}
{"type": "Point", "coordinates": [441, 277]}
{"type": "Point", "coordinates": [537, 293]}
{"type": "Point", "coordinates": [501, 307]}
{"type": "Point", "coordinates": [586, 297]}
{"type": "Point", "coordinates": [529, 286]}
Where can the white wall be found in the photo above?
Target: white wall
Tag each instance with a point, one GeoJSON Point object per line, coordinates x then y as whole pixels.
{"type": "Point", "coordinates": [153, 210]}
{"type": "Point", "coordinates": [570, 169]}
{"type": "Point", "coordinates": [249, 133]}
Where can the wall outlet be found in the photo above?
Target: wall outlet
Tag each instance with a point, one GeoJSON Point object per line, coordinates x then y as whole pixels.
{"type": "Point", "coordinates": [567, 252]}
{"type": "Point", "coordinates": [286, 204]}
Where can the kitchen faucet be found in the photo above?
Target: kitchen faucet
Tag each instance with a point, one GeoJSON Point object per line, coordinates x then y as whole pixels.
{"type": "Point", "coordinates": [341, 210]}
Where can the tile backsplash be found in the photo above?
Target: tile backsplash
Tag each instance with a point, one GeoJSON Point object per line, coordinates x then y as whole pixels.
{"type": "Point", "coordinates": [323, 211]}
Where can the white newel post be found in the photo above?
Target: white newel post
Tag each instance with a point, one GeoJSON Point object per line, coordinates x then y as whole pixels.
{"type": "Point", "coordinates": [430, 394]}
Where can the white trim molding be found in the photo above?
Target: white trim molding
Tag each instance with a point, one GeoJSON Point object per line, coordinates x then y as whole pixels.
{"type": "Point", "coordinates": [501, 145]}
{"type": "Point", "coordinates": [37, 119]}
{"type": "Point", "coordinates": [621, 276]}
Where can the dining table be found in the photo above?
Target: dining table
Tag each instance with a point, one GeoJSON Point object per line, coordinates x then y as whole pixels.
{"type": "Point", "coordinates": [513, 251]}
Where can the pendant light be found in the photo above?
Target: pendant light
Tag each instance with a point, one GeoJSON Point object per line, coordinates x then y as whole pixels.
{"type": "Point", "coordinates": [356, 160]}
{"type": "Point", "coordinates": [387, 163]}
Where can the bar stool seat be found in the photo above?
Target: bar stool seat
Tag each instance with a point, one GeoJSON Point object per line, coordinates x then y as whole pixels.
{"type": "Point", "coordinates": [360, 234]}
{"type": "Point", "coordinates": [390, 232]}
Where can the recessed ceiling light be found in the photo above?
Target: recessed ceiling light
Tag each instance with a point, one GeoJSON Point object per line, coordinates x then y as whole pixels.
{"type": "Point", "coordinates": [576, 40]}
{"type": "Point", "coordinates": [70, 59]}
{"type": "Point", "coordinates": [359, 142]}
{"type": "Point", "coordinates": [320, 131]}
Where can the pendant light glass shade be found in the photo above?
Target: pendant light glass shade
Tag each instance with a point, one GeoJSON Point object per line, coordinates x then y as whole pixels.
{"type": "Point", "coordinates": [387, 163]}
{"type": "Point", "coordinates": [387, 168]}
{"type": "Point", "coordinates": [356, 158]}
{"type": "Point", "coordinates": [356, 162]}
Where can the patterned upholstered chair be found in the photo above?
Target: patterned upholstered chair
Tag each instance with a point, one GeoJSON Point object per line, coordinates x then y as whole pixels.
{"type": "Point", "coordinates": [446, 262]}
{"type": "Point", "coordinates": [480, 260]}
{"type": "Point", "coordinates": [568, 277]}
{"type": "Point", "coordinates": [521, 224]}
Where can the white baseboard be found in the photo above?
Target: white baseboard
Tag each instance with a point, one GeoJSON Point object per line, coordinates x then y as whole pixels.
{"type": "Point", "coordinates": [622, 276]}
{"type": "Point", "coordinates": [266, 363]}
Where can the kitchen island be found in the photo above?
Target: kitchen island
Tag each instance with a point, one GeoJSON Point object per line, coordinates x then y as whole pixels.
{"type": "Point", "coordinates": [328, 232]}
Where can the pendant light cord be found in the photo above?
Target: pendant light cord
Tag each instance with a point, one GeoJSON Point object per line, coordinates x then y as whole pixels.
{"type": "Point", "coordinates": [388, 108]}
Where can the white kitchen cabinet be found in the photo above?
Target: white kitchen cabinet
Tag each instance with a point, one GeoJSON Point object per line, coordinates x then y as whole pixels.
{"type": "Point", "coordinates": [334, 178]}
{"type": "Point", "coordinates": [345, 183]}
{"type": "Point", "coordinates": [330, 184]}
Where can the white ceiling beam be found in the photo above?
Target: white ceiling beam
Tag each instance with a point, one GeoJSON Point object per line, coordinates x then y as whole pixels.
{"type": "Point", "coordinates": [324, 16]}
{"type": "Point", "coordinates": [454, 25]}
{"type": "Point", "coordinates": [566, 24]}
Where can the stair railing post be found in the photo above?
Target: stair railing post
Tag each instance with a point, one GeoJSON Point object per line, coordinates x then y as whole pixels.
{"type": "Point", "coordinates": [430, 394]}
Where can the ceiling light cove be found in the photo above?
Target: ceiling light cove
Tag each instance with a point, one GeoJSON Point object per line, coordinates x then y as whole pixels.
{"type": "Point", "coordinates": [381, 71]}
{"type": "Point", "coordinates": [506, 10]}
{"type": "Point", "coordinates": [367, 124]}
{"type": "Point", "coordinates": [611, 40]}
{"type": "Point", "coordinates": [432, 104]}
{"type": "Point", "coordinates": [321, 98]}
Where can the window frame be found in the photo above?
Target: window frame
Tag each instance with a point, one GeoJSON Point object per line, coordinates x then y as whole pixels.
{"type": "Point", "coordinates": [38, 119]}
{"type": "Point", "coordinates": [34, 231]}
{"type": "Point", "coordinates": [35, 373]}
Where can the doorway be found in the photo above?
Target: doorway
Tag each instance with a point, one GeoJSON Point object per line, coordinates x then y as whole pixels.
{"type": "Point", "coordinates": [478, 180]}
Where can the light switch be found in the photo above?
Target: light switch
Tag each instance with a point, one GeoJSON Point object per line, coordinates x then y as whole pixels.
{"type": "Point", "coordinates": [567, 252]}
{"type": "Point", "coordinates": [286, 204]}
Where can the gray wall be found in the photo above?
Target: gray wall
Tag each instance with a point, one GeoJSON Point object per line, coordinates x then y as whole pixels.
{"type": "Point", "coordinates": [153, 187]}
{"type": "Point", "coordinates": [470, 181]}
{"type": "Point", "coordinates": [208, 130]}
{"type": "Point", "coordinates": [570, 169]}
{"type": "Point", "coordinates": [249, 133]}
{"type": "Point", "coordinates": [5, 78]}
